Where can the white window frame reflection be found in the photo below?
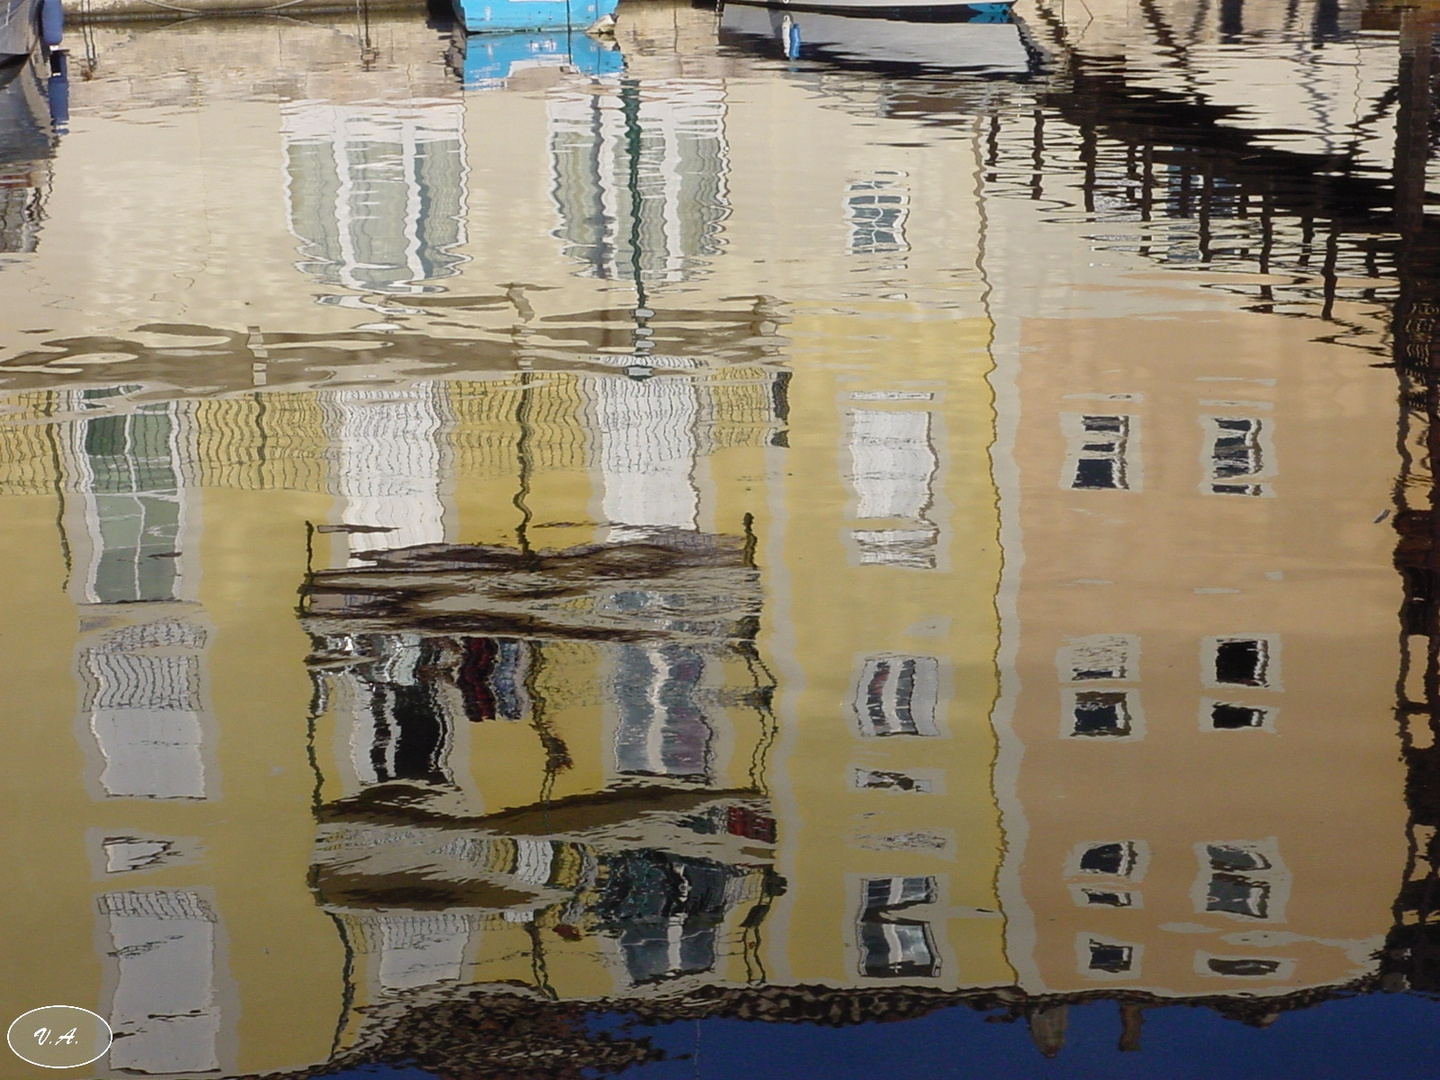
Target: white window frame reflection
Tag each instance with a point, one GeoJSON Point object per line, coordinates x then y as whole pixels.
{"type": "Point", "coordinates": [895, 926]}
{"type": "Point", "coordinates": [894, 470]}
{"type": "Point", "coordinates": [899, 694]}
{"type": "Point", "coordinates": [1109, 438]}
{"type": "Point", "coordinates": [877, 208]}
{"type": "Point", "coordinates": [1229, 439]}
{"type": "Point", "coordinates": [144, 697]}
{"type": "Point", "coordinates": [1092, 950]}
{"type": "Point", "coordinates": [1243, 881]}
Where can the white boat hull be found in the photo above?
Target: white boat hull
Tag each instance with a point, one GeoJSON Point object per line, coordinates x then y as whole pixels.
{"type": "Point", "coordinates": [858, 37]}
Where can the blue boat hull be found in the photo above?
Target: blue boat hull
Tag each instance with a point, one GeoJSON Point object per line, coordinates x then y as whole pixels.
{"type": "Point", "coordinates": [482, 16]}
{"type": "Point", "coordinates": [490, 59]}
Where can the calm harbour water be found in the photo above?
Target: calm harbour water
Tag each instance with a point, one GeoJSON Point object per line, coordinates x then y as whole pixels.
{"type": "Point", "coordinates": [760, 546]}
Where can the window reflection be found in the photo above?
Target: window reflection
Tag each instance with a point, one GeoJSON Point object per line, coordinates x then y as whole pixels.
{"type": "Point", "coordinates": [376, 192]}
{"type": "Point", "coordinates": [891, 947]}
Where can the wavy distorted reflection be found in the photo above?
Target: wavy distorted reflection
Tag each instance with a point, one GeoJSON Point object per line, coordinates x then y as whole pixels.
{"type": "Point", "coordinates": [32, 115]}
{"type": "Point", "coordinates": [788, 518]}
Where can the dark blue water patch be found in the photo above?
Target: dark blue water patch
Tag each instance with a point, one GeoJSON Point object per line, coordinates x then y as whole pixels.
{"type": "Point", "coordinates": [1396, 1037]}
{"type": "Point", "coordinates": [383, 1072]}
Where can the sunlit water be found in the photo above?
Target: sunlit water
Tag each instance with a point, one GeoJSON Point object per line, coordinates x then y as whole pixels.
{"type": "Point", "coordinates": [764, 546]}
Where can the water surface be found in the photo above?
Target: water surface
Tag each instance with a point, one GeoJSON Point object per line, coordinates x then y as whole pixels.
{"type": "Point", "coordinates": [763, 546]}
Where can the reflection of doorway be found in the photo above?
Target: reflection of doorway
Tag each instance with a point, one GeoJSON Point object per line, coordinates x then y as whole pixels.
{"type": "Point", "coordinates": [664, 950]}
{"type": "Point", "coordinates": [665, 911]}
{"type": "Point", "coordinates": [403, 699]}
{"type": "Point", "coordinates": [400, 728]}
{"type": "Point", "coordinates": [409, 737]}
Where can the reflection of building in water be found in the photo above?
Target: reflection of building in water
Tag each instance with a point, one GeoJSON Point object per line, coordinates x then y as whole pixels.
{"type": "Point", "coordinates": [565, 748]}
{"type": "Point", "coordinates": [147, 848]}
{"type": "Point", "coordinates": [547, 765]}
{"type": "Point", "coordinates": [474, 721]}
{"type": "Point", "coordinates": [641, 176]}
{"type": "Point", "coordinates": [1186, 683]}
{"type": "Point", "coordinates": [1178, 703]}
{"type": "Point", "coordinates": [892, 546]}
{"type": "Point", "coordinates": [584, 803]}
{"type": "Point", "coordinates": [130, 504]}
{"type": "Point", "coordinates": [377, 192]}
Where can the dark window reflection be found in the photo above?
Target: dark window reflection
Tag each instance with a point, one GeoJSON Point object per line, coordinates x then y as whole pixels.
{"type": "Point", "coordinates": [892, 948]}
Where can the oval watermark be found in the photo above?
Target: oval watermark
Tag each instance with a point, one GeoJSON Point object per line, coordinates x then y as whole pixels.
{"type": "Point", "coordinates": [59, 1036]}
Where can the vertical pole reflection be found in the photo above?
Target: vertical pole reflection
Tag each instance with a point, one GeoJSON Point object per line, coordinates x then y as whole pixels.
{"type": "Point", "coordinates": [630, 109]}
{"type": "Point", "coordinates": [523, 454]}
